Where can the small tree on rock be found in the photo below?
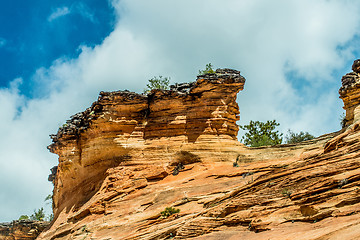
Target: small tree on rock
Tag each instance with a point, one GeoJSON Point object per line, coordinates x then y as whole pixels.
{"type": "Point", "coordinates": [292, 137]}
{"type": "Point", "coordinates": [208, 69]}
{"type": "Point", "coordinates": [157, 83]}
{"type": "Point", "coordinates": [38, 215]}
{"type": "Point", "coordinates": [261, 134]}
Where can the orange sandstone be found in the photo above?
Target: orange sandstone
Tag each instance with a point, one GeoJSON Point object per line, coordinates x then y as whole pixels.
{"type": "Point", "coordinates": [129, 156]}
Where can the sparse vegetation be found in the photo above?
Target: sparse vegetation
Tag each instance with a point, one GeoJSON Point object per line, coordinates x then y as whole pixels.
{"type": "Point", "coordinates": [286, 193]}
{"type": "Point", "coordinates": [236, 164]}
{"type": "Point", "coordinates": [84, 228]}
{"type": "Point", "coordinates": [48, 198]}
{"type": "Point", "coordinates": [208, 69]}
{"type": "Point", "coordinates": [343, 120]}
{"type": "Point", "coordinates": [157, 83]}
{"type": "Point", "coordinates": [177, 169]}
{"type": "Point", "coordinates": [292, 137]}
{"type": "Point", "coordinates": [23, 217]}
{"type": "Point", "coordinates": [169, 211]}
{"type": "Point", "coordinates": [261, 134]}
{"type": "Point", "coordinates": [38, 215]}
{"type": "Point", "coordinates": [251, 180]}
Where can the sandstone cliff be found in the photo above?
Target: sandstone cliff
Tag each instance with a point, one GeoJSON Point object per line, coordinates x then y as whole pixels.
{"type": "Point", "coordinates": [129, 156]}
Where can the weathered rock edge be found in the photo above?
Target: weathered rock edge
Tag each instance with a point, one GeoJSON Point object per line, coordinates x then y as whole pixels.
{"type": "Point", "coordinates": [79, 122]}
{"type": "Point", "coordinates": [350, 94]}
{"type": "Point", "coordinates": [22, 229]}
{"type": "Point", "coordinates": [300, 191]}
{"type": "Point", "coordinates": [161, 132]}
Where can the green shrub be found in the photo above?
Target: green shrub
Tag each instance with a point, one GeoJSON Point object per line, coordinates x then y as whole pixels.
{"type": "Point", "coordinates": [261, 134]}
{"type": "Point", "coordinates": [343, 120]}
{"type": "Point", "coordinates": [23, 217]}
{"type": "Point", "coordinates": [208, 69]}
{"type": "Point", "coordinates": [157, 83]}
{"type": "Point", "coordinates": [169, 211]}
{"type": "Point", "coordinates": [292, 137]}
{"type": "Point", "coordinates": [286, 193]}
{"type": "Point", "coordinates": [38, 215]}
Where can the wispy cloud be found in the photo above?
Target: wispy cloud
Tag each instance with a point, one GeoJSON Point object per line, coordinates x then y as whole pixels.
{"type": "Point", "coordinates": [77, 8]}
{"type": "Point", "coordinates": [58, 12]}
{"type": "Point", "coordinates": [82, 9]}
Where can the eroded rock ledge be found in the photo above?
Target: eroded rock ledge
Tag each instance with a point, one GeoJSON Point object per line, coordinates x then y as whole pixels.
{"type": "Point", "coordinates": [126, 131]}
{"type": "Point", "coordinates": [216, 85]}
{"type": "Point", "coordinates": [129, 156]}
{"type": "Point", "coordinates": [22, 229]}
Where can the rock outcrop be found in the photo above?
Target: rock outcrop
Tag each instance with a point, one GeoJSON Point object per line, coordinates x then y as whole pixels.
{"type": "Point", "coordinates": [136, 139]}
{"type": "Point", "coordinates": [350, 94]}
{"type": "Point", "coordinates": [126, 159]}
{"type": "Point", "coordinates": [22, 229]}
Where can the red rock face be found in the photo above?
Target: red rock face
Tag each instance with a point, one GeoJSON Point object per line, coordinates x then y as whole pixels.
{"type": "Point", "coordinates": [126, 159]}
{"type": "Point", "coordinates": [155, 133]}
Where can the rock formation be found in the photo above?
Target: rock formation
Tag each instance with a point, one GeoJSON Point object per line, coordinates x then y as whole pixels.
{"type": "Point", "coordinates": [350, 94]}
{"type": "Point", "coordinates": [136, 139]}
{"type": "Point", "coordinates": [22, 229]}
{"type": "Point", "coordinates": [128, 157]}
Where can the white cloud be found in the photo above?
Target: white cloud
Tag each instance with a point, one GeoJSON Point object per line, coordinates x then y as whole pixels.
{"type": "Point", "coordinates": [76, 8]}
{"type": "Point", "coordinates": [265, 40]}
{"type": "Point", "coordinates": [58, 12]}
{"type": "Point", "coordinates": [84, 11]}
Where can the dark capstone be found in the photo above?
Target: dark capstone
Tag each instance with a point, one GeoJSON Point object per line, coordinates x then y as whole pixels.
{"type": "Point", "coordinates": [356, 66]}
{"type": "Point", "coordinates": [79, 122]}
{"type": "Point", "coordinates": [125, 94]}
{"type": "Point", "coordinates": [348, 81]}
{"type": "Point", "coordinates": [224, 73]}
{"type": "Point", "coordinates": [52, 176]}
{"type": "Point", "coordinates": [182, 87]}
{"type": "Point", "coordinates": [227, 71]}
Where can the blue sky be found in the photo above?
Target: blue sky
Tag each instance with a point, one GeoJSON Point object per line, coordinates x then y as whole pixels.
{"type": "Point", "coordinates": [56, 56]}
{"type": "Point", "coordinates": [35, 33]}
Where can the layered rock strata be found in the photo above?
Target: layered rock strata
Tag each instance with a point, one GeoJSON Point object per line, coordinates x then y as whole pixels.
{"type": "Point", "coordinates": [144, 138]}
{"type": "Point", "coordinates": [116, 175]}
{"type": "Point", "coordinates": [22, 229]}
{"type": "Point", "coordinates": [350, 94]}
{"type": "Point", "coordinates": [300, 191]}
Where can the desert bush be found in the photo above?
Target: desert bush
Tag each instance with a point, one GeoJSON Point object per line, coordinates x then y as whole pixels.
{"type": "Point", "coordinates": [169, 211]}
{"type": "Point", "coordinates": [208, 69]}
{"type": "Point", "coordinates": [38, 215]}
{"type": "Point", "coordinates": [292, 137]}
{"type": "Point", "coordinates": [23, 217]}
